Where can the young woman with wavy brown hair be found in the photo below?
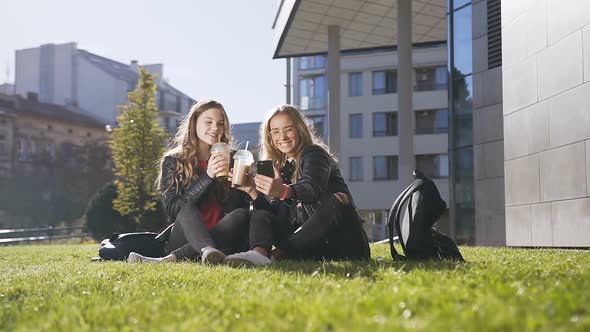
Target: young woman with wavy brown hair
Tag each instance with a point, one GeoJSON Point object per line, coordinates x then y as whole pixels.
{"type": "Point", "coordinates": [210, 219]}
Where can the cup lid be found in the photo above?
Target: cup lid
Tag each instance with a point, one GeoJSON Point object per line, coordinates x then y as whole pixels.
{"type": "Point", "coordinates": [244, 155]}
{"type": "Point", "coordinates": [220, 146]}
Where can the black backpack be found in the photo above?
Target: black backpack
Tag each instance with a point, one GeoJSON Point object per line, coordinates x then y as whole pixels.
{"type": "Point", "coordinates": [412, 217]}
{"type": "Point", "coordinates": [118, 246]}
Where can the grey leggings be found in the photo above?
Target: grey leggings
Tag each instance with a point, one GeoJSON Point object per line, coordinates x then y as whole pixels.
{"type": "Point", "coordinates": [189, 234]}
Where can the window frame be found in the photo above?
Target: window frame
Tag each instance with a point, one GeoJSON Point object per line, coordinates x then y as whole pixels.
{"type": "Point", "coordinates": [350, 117]}
{"type": "Point", "coordinates": [350, 85]}
{"type": "Point", "coordinates": [352, 178]}
{"type": "Point", "coordinates": [391, 175]}
{"type": "Point", "coordinates": [390, 82]}
{"type": "Point", "coordinates": [393, 127]}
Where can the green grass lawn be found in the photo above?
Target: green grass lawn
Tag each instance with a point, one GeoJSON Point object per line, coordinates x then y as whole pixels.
{"type": "Point", "coordinates": [498, 289]}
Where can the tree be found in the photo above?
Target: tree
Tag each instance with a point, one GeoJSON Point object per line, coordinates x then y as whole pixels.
{"type": "Point", "coordinates": [102, 219]}
{"type": "Point", "coordinates": [136, 146]}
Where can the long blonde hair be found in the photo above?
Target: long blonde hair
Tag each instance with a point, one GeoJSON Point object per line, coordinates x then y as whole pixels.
{"type": "Point", "coordinates": [305, 132]}
{"type": "Point", "coordinates": [185, 145]}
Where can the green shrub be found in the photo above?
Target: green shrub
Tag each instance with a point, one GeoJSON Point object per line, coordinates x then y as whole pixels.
{"type": "Point", "coordinates": [102, 219]}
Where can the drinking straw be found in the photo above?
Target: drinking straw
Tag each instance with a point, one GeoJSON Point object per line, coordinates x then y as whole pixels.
{"type": "Point", "coordinates": [247, 142]}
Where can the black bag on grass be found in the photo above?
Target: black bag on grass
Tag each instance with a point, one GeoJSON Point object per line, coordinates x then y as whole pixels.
{"type": "Point", "coordinates": [118, 246]}
{"type": "Point", "coordinates": [412, 217]}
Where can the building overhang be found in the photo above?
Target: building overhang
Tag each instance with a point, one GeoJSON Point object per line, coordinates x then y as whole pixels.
{"type": "Point", "coordinates": [301, 26]}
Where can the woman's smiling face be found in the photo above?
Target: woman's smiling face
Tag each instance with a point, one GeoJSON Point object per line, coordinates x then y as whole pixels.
{"type": "Point", "coordinates": [210, 126]}
{"type": "Point", "coordinates": [283, 134]}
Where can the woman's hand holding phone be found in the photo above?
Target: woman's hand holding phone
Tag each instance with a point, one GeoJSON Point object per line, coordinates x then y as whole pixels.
{"type": "Point", "coordinates": [269, 185]}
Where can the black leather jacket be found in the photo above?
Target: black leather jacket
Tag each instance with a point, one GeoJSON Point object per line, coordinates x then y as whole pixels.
{"type": "Point", "coordinates": [197, 192]}
{"type": "Point", "coordinates": [319, 176]}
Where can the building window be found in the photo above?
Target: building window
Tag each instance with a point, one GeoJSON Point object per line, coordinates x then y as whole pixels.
{"type": "Point", "coordinates": [312, 62]}
{"type": "Point", "coordinates": [161, 96]}
{"type": "Point", "coordinates": [70, 131]}
{"type": "Point", "coordinates": [50, 148]}
{"type": "Point", "coordinates": [431, 78]}
{"type": "Point", "coordinates": [178, 104]}
{"type": "Point", "coordinates": [376, 224]}
{"type": "Point", "coordinates": [356, 169]}
{"type": "Point", "coordinates": [385, 168]}
{"type": "Point", "coordinates": [355, 84]}
{"type": "Point", "coordinates": [32, 148]}
{"type": "Point", "coordinates": [433, 165]}
{"type": "Point", "coordinates": [22, 149]}
{"type": "Point", "coordinates": [167, 124]}
{"type": "Point", "coordinates": [318, 124]}
{"type": "Point", "coordinates": [384, 124]}
{"type": "Point", "coordinates": [3, 150]}
{"type": "Point", "coordinates": [432, 122]}
{"type": "Point", "coordinates": [312, 92]}
{"type": "Point", "coordinates": [88, 134]}
{"type": "Point", "coordinates": [384, 81]}
{"type": "Point", "coordinates": [356, 125]}
{"type": "Point", "coordinates": [462, 117]}
{"type": "Point", "coordinates": [49, 127]}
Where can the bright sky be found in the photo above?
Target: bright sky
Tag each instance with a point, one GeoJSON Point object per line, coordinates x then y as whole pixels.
{"type": "Point", "coordinates": [218, 49]}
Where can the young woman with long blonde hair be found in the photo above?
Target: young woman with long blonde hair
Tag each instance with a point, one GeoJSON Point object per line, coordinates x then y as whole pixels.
{"type": "Point", "coordinates": [313, 213]}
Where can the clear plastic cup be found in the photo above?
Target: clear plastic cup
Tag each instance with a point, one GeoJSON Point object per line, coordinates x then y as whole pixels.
{"type": "Point", "coordinates": [223, 149]}
{"type": "Point", "coordinates": [243, 160]}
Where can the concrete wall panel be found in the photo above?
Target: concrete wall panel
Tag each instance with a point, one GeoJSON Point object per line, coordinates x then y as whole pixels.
{"type": "Point", "coordinates": [541, 228]}
{"type": "Point", "coordinates": [563, 172]}
{"type": "Point", "coordinates": [569, 116]}
{"type": "Point", "coordinates": [522, 180]}
{"type": "Point", "coordinates": [560, 66]}
{"type": "Point", "coordinates": [571, 223]}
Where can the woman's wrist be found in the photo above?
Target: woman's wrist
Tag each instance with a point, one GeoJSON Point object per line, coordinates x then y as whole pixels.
{"type": "Point", "coordinates": [287, 192]}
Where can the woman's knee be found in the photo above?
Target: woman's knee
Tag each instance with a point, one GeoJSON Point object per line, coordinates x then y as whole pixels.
{"type": "Point", "coordinates": [263, 216]}
{"type": "Point", "coordinates": [240, 214]}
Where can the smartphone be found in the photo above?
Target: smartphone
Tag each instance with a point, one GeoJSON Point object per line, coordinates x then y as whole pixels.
{"type": "Point", "coordinates": [264, 167]}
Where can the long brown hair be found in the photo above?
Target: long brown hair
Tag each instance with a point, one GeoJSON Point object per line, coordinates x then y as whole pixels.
{"type": "Point", "coordinates": [185, 145]}
{"type": "Point", "coordinates": [305, 132]}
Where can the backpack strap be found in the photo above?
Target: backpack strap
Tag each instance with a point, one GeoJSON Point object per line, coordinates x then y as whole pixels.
{"type": "Point", "coordinates": [408, 197]}
{"type": "Point", "coordinates": [394, 217]}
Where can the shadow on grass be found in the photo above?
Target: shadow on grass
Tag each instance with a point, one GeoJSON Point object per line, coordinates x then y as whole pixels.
{"type": "Point", "coordinates": [363, 269]}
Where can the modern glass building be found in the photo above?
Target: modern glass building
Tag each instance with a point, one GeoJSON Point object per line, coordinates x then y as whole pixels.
{"type": "Point", "coordinates": [462, 210]}
{"type": "Point", "coordinates": [519, 77]}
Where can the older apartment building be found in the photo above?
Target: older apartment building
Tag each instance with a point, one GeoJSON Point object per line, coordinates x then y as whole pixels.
{"type": "Point", "coordinates": [29, 128]}
{"type": "Point", "coordinates": [36, 138]}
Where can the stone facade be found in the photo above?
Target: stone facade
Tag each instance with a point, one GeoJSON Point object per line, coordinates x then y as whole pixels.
{"type": "Point", "coordinates": [28, 127]}
{"type": "Point", "coordinates": [546, 84]}
{"type": "Point", "coordinates": [488, 138]}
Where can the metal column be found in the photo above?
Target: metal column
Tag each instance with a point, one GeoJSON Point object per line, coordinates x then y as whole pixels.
{"type": "Point", "coordinates": [334, 88]}
{"type": "Point", "coordinates": [404, 84]}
